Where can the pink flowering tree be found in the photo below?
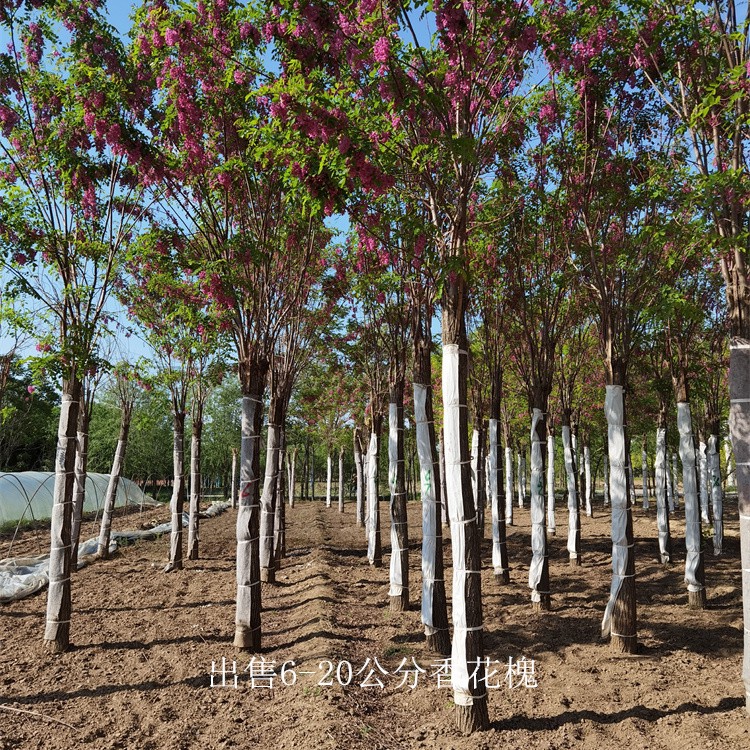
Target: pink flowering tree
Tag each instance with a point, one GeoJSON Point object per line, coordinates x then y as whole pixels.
{"type": "Point", "coordinates": [70, 146]}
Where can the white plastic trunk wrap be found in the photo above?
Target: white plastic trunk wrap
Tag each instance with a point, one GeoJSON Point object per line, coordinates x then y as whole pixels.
{"type": "Point", "coordinates": [372, 495]}
{"type": "Point", "coordinates": [587, 478]}
{"type": "Point", "coordinates": [675, 482]}
{"type": "Point", "coordinates": [329, 479]}
{"type": "Point", "coordinates": [644, 474]}
{"type": "Point", "coordinates": [519, 480]}
{"type": "Point", "coordinates": [508, 485]}
{"type": "Point", "coordinates": [717, 495]}
{"type": "Point", "coordinates": [494, 490]}
{"type": "Point", "coordinates": [551, 483]}
{"type": "Point", "coordinates": [570, 477]}
{"type": "Point", "coordinates": [267, 506]}
{"type": "Point", "coordinates": [341, 481]}
{"type": "Point", "coordinates": [614, 410]}
{"type": "Point", "coordinates": [703, 480]}
{"type": "Point", "coordinates": [475, 467]}
{"type": "Point", "coordinates": [396, 571]}
{"type": "Point", "coordinates": [429, 507]}
{"type": "Point", "coordinates": [660, 480]}
{"type": "Point", "coordinates": [460, 673]}
{"type": "Point", "coordinates": [692, 509]}
{"type": "Point", "coordinates": [538, 530]}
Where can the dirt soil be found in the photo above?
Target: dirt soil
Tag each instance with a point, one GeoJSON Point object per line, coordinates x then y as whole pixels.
{"type": "Point", "coordinates": [139, 672]}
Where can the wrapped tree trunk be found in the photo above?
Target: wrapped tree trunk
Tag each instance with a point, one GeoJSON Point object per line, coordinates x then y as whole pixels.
{"type": "Point", "coordinates": [703, 480]}
{"type": "Point", "coordinates": [675, 481]}
{"type": "Point", "coordinates": [399, 567]}
{"type": "Point", "coordinates": [247, 634]}
{"type": "Point", "coordinates": [102, 549]}
{"type": "Point", "coordinates": [587, 480]}
{"type": "Point", "coordinates": [571, 479]}
{"type": "Point", "coordinates": [359, 468]}
{"type": "Point", "coordinates": [694, 570]}
{"type": "Point", "coordinates": [508, 484]}
{"type": "Point", "coordinates": [268, 499]}
{"type": "Point", "coordinates": [195, 480]}
{"type": "Point", "coordinates": [717, 495]}
{"type": "Point", "coordinates": [661, 483]}
{"type": "Point", "coordinates": [292, 465]}
{"type": "Point", "coordinates": [477, 473]}
{"type": "Point", "coordinates": [57, 623]}
{"type": "Point", "coordinates": [79, 495]}
{"type": "Point", "coordinates": [520, 471]}
{"type": "Point", "coordinates": [177, 503]}
{"type": "Point", "coordinates": [739, 430]}
{"type": "Point", "coordinates": [374, 546]}
{"type": "Point", "coordinates": [620, 613]}
{"type": "Point", "coordinates": [539, 568]}
{"type": "Point", "coordinates": [434, 606]}
{"type": "Point", "coordinates": [329, 477]}
{"type": "Point", "coordinates": [550, 479]}
{"type": "Point", "coordinates": [341, 480]}
{"type": "Point", "coordinates": [467, 655]}
{"type": "Point", "coordinates": [234, 478]}
{"type": "Point", "coordinates": [279, 542]}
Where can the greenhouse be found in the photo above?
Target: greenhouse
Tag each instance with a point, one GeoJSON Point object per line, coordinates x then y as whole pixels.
{"type": "Point", "coordinates": [27, 495]}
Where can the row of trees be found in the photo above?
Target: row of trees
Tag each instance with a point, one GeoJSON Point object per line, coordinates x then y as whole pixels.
{"type": "Point", "coordinates": [545, 174]}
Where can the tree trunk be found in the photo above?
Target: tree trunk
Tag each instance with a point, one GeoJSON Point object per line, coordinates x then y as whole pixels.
{"type": "Point", "coordinates": [105, 531]}
{"type": "Point", "coordinates": [292, 476]}
{"type": "Point", "coordinates": [661, 483]}
{"type": "Point", "coordinates": [571, 478]}
{"type": "Point", "coordinates": [703, 481]}
{"type": "Point", "coordinates": [676, 482]}
{"type": "Point", "coordinates": [247, 635]}
{"type": "Point", "coordinates": [329, 477]}
{"type": "Point", "coordinates": [443, 491]}
{"type": "Point", "coordinates": [434, 602]}
{"type": "Point", "coordinates": [731, 478]}
{"type": "Point", "coordinates": [551, 480]}
{"type": "Point", "coordinates": [268, 500]}
{"type": "Point", "coordinates": [739, 430]}
{"type": "Point", "coordinates": [196, 479]}
{"type": "Point", "coordinates": [644, 474]}
{"type": "Point", "coordinates": [399, 568]}
{"type": "Point", "coordinates": [57, 627]}
{"type": "Point", "coordinates": [669, 481]}
{"type": "Point", "coordinates": [539, 568]}
{"type": "Point", "coordinates": [79, 496]}
{"type": "Point", "coordinates": [717, 495]}
{"type": "Point", "coordinates": [177, 502]}
{"type": "Point", "coordinates": [279, 542]}
{"type": "Point", "coordinates": [620, 614]}
{"type": "Point", "coordinates": [606, 475]}
{"type": "Point", "coordinates": [694, 570]}
{"type": "Point", "coordinates": [341, 480]}
{"type": "Point", "coordinates": [508, 484]}
{"type": "Point", "coordinates": [468, 672]}
{"type": "Point", "coordinates": [588, 494]}
{"type": "Point", "coordinates": [374, 545]}
{"type": "Point", "coordinates": [359, 469]}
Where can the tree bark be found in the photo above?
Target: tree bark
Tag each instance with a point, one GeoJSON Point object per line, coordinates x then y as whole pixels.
{"type": "Point", "coordinates": [57, 625]}
{"type": "Point", "coordinates": [399, 568]}
{"type": "Point", "coordinates": [195, 481]}
{"type": "Point", "coordinates": [247, 635]}
{"type": "Point", "coordinates": [717, 494]}
{"type": "Point", "coordinates": [105, 531]}
{"type": "Point", "coordinates": [359, 469]}
{"type": "Point", "coordinates": [79, 496]}
{"type": "Point", "coordinates": [177, 502]}
{"type": "Point", "coordinates": [374, 545]}
{"type": "Point", "coordinates": [539, 568]}
{"type": "Point", "coordinates": [468, 673]}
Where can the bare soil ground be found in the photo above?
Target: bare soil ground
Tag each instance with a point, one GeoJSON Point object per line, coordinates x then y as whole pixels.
{"type": "Point", "coordinates": [139, 673]}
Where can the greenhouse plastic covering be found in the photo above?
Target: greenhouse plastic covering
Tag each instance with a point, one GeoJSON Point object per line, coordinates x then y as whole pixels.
{"type": "Point", "coordinates": [27, 495]}
{"type": "Point", "coordinates": [23, 576]}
